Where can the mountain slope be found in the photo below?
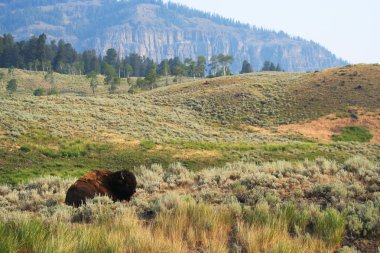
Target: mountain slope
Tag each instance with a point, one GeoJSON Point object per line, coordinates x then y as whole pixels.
{"type": "Point", "coordinates": [157, 30]}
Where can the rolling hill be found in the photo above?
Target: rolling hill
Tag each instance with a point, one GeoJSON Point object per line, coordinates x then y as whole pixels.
{"type": "Point", "coordinates": [268, 99]}
{"type": "Point", "coordinates": [243, 150]}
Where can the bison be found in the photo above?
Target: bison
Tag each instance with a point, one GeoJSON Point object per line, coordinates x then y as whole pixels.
{"type": "Point", "coordinates": [119, 186]}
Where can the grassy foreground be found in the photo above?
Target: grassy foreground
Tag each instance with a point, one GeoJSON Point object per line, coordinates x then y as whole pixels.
{"type": "Point", "coordinates": [316, 206]}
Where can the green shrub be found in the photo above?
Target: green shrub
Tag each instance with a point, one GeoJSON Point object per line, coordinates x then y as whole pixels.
{"type": "Point", "coordinates": [330, 226]}
{"type": "Point", "coordinates": [12, 85]}
{"type": "Point", "coordinates": [25, 149]}
{"type": "Point", "coordinates": [364, 219]}
{"type": "Point", "coordinates": [358, 164]}
{"type": "Point", "coordinates": [39, 92]}
{"type": "Point", "coordinates": [354, 133]}
{"type": "Point", "coordinates": [53, 91]}
{"type": "Point", "coordinates": [147, 144]}
{"type": "Point", "coordinates": [259, 215]}
{"type": "Point", "coordinates": [295, 218]}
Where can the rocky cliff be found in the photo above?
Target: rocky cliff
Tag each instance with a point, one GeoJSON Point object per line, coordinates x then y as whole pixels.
{"type": "Point", "coordinates": [158, 30]}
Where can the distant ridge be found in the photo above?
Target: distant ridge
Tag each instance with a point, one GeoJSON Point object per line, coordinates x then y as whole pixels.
{"type": "Point", "coordinates": [159, 30]}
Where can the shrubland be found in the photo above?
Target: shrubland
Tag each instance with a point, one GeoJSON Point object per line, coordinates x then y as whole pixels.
{"type": "Point", "coordinates": [317, 206]}
{"type": "Point", "coordinates": [215, 172]}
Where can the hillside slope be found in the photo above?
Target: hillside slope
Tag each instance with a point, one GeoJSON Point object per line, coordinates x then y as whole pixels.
{"type": "Point", "coordinates": [157, 30]}
{"type": "Point", "coordinates": [201, 123]}
{"type": "Point", "coordinates": [268, 99]}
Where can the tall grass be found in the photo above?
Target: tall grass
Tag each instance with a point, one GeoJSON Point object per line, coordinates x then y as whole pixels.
{"type": "Point", "coordinates": [241, 207]}
{"type": "Point", "coordinates": [190, 227]}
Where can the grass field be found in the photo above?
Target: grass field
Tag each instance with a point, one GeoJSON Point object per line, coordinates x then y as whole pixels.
{"type": "Point", "coordinates": [261, 162]}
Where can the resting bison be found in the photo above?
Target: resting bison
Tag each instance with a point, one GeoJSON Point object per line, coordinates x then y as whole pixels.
{"type": "Point", "coordinates": [118, 186]}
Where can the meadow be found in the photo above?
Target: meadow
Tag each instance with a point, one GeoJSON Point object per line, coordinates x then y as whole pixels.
{"type": "Point", "coordinates": [229, 164]}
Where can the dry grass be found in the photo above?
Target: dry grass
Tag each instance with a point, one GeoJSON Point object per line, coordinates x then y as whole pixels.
{"type": "Point", "coordinates": [271, 99]}
{"type": "Point", "coordinates": [316, 205]}
{"type": "Point", "coordinates": [323, 128]}
{"type": "Point", "coordinates": [242, 207]}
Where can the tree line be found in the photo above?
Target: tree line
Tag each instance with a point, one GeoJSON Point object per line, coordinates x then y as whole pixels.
{"type": "Point", "coordinates": [36, 54]}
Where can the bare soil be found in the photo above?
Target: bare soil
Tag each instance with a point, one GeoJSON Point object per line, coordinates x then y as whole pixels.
{"type": "Point", "coordinates": [323, 128]}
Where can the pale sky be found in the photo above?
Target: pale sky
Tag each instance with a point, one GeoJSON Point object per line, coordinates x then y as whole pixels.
{"type": "Point", "coordinates": [348, 28]}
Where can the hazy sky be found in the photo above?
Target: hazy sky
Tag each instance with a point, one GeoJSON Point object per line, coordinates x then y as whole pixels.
{"type": "Point", "coordinates": [349, 28]}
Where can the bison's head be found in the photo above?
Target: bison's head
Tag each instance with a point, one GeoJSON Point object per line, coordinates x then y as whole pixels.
{"type": "Point", "coordinates": [122, 184]}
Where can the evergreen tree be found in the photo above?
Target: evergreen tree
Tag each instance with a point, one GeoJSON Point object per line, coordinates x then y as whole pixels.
{"type": "Point", "coordinates": [90, 62]}
{"type": "Point", "coordinates": [190, 66]}
{"type": "Point", "coordinates": [151, 77]}
{"type": "Point", "coordinates": [59, 57]}
{"type": "Point", "coordinates": [164, 70]}
{"type": "Point", "coordinates": [41, 50]}
{"type": "Point", "coordinates": [2, 76]}
{"type": "Point", "coordinates": [201, 66]}
{"type": "Point", "coordinates": [12, 86]}
{"type": "Point", "coordinates": [246, 68]}
{"type": "Point", "coordinates": [178, 69]}
{"type": "Point", "coordinates": [269, 66]}
{"type": "Point", "coordinates": [266, 66]}
{"type": "Point", "coordinates": [135, 61]}
{"type": "Point", "coordinates": [214, 65]}
{"type": "Point", "coordinates": [272, 67]}
{"type": "Point", "coordinates": [111, 57]}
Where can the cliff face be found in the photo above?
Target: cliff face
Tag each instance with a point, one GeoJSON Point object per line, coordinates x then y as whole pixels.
{"type": "Point", "coordinates": [158, 31]}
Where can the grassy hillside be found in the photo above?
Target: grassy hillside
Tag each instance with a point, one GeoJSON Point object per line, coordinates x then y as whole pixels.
{"type": "Point", "coordinates": [219, 148]}
{"type": "Point", "coordinates": [73, 132]}
{"type": "Point", "coordinates": [269, 99]}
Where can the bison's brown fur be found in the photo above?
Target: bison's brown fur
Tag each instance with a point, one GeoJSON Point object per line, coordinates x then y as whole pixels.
{"type": "Point", "coordinates": [118, 186]}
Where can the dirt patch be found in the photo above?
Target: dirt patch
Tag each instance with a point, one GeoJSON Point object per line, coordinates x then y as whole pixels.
{"type": "Point", "coordinates": [323, 128]}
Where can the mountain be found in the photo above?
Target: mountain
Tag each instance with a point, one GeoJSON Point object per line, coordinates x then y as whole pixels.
{"type": "Point", "coordinates": [159, 30]}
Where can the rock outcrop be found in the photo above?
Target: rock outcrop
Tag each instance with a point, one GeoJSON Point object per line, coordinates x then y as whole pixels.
{"type": "Point", "coordinates": [158, 31]}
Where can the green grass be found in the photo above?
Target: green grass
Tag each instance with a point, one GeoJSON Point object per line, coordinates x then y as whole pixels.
{"type": "Point", "coordinates": [330, 226]}
{"type": "Point", "coordinates": [354, 133]}
{"type": "Point", "coordinates": [147, 144]}
{"type": "Point", "coordinates": [73, 158]}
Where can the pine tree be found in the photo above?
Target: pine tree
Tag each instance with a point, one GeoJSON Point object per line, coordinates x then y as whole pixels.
{"type": "Point", "coordinates": [246, 68]}
{"type": "Point", "coordinates": [201, 66]}
{"type": "Point", "coordinates": [164, 70]}
{"type": "Point", "coordinates": [12, 86]}
{"type": "Point", "coordinates": [111, 57]}
{"type": "Point", "coordinates": [266, 66]}
{"type": "Point", "coordinates": [41, 50]}
{"type": "Point", "coordinates": [151, 77]}
{"type": "Point", "coordinates": [2, 76]}
{"type": "Point", "coordinates": [272, 67]}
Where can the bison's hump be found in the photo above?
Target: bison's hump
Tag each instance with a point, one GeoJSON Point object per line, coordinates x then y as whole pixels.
{"type": "Point", "coordinates": [87, 187]}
